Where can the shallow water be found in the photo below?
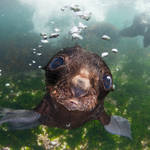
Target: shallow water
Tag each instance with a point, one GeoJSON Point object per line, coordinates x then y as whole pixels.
{"type": "Point", "coordinates": [22, 80]}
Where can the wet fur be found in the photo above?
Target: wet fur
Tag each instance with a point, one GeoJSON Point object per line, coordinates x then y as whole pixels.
{"type": "Point", "coordinates": [61, 107]}
{"type": "Point", "coordinates": [55, 108]}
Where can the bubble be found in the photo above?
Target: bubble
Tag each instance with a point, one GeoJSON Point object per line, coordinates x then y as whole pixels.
{"type": "Point", "coordinates": [33, 61]}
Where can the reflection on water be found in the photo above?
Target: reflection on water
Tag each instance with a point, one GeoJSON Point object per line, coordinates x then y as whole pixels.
{"type": "Point", "coordinates": [23, 53]}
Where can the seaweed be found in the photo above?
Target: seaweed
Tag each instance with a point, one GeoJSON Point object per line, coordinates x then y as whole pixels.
{"type": "Point", "coordinates": [131, 99]}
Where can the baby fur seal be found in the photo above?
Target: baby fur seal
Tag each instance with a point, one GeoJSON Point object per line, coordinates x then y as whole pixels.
{"type": "Point", "coordinates": [77, 81]}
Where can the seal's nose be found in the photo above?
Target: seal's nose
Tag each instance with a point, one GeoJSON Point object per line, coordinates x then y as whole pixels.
{"type": "Point", "coordinates": [82, 82]}
{"type": "Point", "coordinates": [80, 86]}
{"type": "Point", "coordinates": [78, 92]}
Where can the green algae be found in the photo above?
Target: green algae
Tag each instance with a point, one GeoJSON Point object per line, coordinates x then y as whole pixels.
{"type": "Point", "coordinates": [131, 99]}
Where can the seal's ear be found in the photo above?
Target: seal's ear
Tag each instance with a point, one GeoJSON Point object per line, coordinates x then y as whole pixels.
{"type": "Point", "coordinates": [119, 125]}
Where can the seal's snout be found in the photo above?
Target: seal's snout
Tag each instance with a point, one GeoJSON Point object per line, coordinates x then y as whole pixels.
{"type": "Point", "coordinates": [80, 86]}
{"type": "Point", "coordinates": [81, 83]}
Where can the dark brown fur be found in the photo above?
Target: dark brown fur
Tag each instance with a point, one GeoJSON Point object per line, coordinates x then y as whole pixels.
{"type": "Point", "coordinates": [61, 107]}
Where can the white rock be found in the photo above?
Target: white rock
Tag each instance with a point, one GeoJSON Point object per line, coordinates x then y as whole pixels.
{"type": "Point", "coordinates": [7, 84]}
{"type": "Point", "coordinates": [0, 70]}
{"type": "Point", "coordinates": [114, 50]}
{"type": "Point", "coordinates": [54, 142]}
{"type": "Point", "coordinates": [34, 49]}
{"type": "Point", "coordinates": [34, 52]}
{"type": "Point", "coordinates": [104, 54]}
{"type": "Point", "coordinates": [114, 86]}
{"type": "Point", "coordinates": [117, 69]}
{"type": "Point", "coordinates": [5, 148]}
{"type": "Point", "coordinates": [106, 37]}
{"type": "Point", "coordinates": [30, 64]}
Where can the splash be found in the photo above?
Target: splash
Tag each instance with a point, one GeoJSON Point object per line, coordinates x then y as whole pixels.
{"type": "Point", "coordinates": [46, 11]}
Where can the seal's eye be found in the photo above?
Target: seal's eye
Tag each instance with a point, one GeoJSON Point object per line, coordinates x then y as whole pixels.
{"type": "Point", "coordinates": [107, 81]}
{"type": "Point", "coordinates": [56, 62]}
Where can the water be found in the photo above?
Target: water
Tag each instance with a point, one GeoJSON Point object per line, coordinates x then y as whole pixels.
{"type": "Point", "coordinates": [22, 80]}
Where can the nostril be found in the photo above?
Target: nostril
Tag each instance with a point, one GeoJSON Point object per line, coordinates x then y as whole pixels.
{"type": "Point", "coordinates": [78, 92]}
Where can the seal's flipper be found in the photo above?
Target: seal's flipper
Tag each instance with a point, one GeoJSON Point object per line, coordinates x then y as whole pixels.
{"type": "Point", "coordinates": [19, 119]}
{"type": "Point", "coordinates": [119, 126]}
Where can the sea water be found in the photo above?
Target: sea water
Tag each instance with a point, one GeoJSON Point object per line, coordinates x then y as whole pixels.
{"type": "Point", "coordinates": [25, 47]}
